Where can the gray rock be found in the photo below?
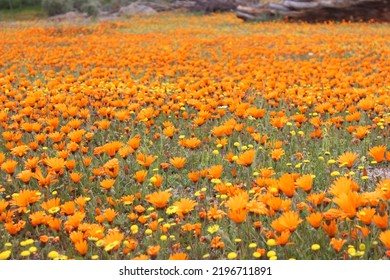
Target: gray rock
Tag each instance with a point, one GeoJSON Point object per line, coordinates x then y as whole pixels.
{"type": "Point", "coordinates": [136, 9]}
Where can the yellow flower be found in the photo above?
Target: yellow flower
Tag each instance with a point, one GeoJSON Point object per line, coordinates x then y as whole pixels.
{"type": "Point", "coordinates": [153, 180]}
{"type": "Point", "coordinates": [335, 173]}
{"type": "Point", "coordinates": [172, 210]}
{"type": "Point", "coordinates": [206, 256]}
{"type": "Point", "coordinates": [352, 251]}
{"type": "Point", "coordinates": [134, 229]}
{"type": "Point", "coordinates": [95, 257]}
{"type": "Point", "coordinates": [252, 245]}
{"type": "Point", "coordinates": [271, 242]}
{"type": "Point", "coordinates": [25, 253]}
{"type": "Point", "coordinates": [111, 246]}
{"type": "Point", "coordinates": [5, 255]}
{"type": "Point", "coordinates": [99, 243]}
{"type": "Point", "coordinates": [315, 247]}
{"type": "Point", "coordinates": [163, 237]}
{"type": "Point", "coordinates": [271, 253]}
{"type": "Point", "coordinates": [231, 255]}
{"type": "Point", "coordinates": [32, 249]}
{"type": "Point", "coordinates": [27, 242]}
{"type": "Point", "coordinates": [256, 254]}
{"type": "Point", "coordinates": [54, 210]}
{"type": "Point", "coordinates": [213, 229]}
{"type": "Point", "coordinates": [148, 232]}
{"type": "Point", "coordinates": [53, 254]}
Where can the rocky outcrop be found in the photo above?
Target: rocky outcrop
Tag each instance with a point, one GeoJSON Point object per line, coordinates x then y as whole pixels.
{"type": "Point", "coordinates": [319, 10]}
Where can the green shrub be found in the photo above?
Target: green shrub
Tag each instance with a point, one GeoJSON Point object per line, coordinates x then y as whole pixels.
{"type": "Point", "coordinates": [91, 8]}
{"type": "Point", "coordinates": [57, 7]}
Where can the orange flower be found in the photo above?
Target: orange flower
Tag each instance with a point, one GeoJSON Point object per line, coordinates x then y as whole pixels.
{"type": "Point", "coordinates": [330, 227]}
{"type": "Point", "coordinates": [112, 240]}
{"type": "Point", "coordinates": [70, 164]}
{"type": "Point", "coordinates": [68, 208]}
{"type": "Point", "coordinates": [55, 164]}
{"type": "Point", "coordinates": [283, 238]}
{"type": "Point", "coordinates": [141, 257]}
{"type": "Point", "coordinates": [348, 202]}
{"type": "Point", "coordinates": [246, 159]}
{"type": "Point", "coordinates": [76, 135]}
{"type": "Point", "coordinates": [112, 148]}
{"type": "Point", "coordinates": [107, 184]}
{"type": "Point", "coordinates": [31, 163]}
{"type": "Point", "coordinates": [24, 198]}
{"type": "Point", "coordinates": [9, 166]}
{"type": "Point", "coordinates": [42, 180]}
{"type": "Point", "coordinates": [381, 221]}
{"type": "Point", "coordinates": [110, 214]}
{"type": "Point", "coordinates": [315, 220]}
{"type": "Point", "coordinates": [75, 177]}
{"type": "Point", "coordinates": [276, 154]}
{"type": "Point", "coordinates": [169, 131]}
{"type": "Point", "coordinates": [337, 244]}
{"type": "Point", "coordinates": [25, 176]}
{"type": "Point", "coordinates": [153, 251]}
{"type": "Point", "coordinates": [185, 206]}
{"type": "Point", "coordinates": [385, 238]}
{"type": "Point", "coordinates": [140, 175]}
{"type": "Point", "coordinates": [159, 199]}
{"type": "Point", "coordinates": [217, 243]}
{"type": "Point", "coordinates": [20, 151]}
{"type": "Point", "coordinates": [38, 218]}
{"type": "Point", "coordinates": [13, 228]}
{"type": "Point", "coordinates": [44, 239]}
{"type": "Point", "coordinates": [288, 221]}
{"type": "Point", "coordinates": [214, 213]}
{"type": "Point", "coordinates": [238, 207]}
{"type": "Point", "coordinates": [361, 132]}
{"type": "Point", "coordinates": [178, 257]}
{"type": "Point", "coordinates": [145, 160]}
{"type": "Point", "coordinates": [194, 176]}
{"type": "Point", "coordinates": [51, 203]}
{"type": "Point", "coordinates": [287, 185]}
{"type": "Point", "coordinates": [305, 182]}
{"type": "Point", "coordinates": [215, 172]}
{"type": "Point", "coordinates": [347, 159]}
{"type": "Point", "coordinates": [178, 162]}
{"type": "Point", "coordinates": [378, 153]}
{"type": "Point", "coordinates": [81, 247]}
{"type": "Point", "coordinates": [76, 236]}
{"type": "Point", "coordinates": [74, 221]}
{"type": "Point", "coordinates": [130, 244]}
{"type": "Point", "coordinates": [343, 185]}
{"type": "Point", "coordinates": [366, 215]}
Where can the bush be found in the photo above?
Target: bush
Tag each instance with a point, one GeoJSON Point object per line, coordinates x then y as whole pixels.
{"type": "Point", "coordinates": [57, 7]}
{"type": "Point", "coordinates": [91, 8]}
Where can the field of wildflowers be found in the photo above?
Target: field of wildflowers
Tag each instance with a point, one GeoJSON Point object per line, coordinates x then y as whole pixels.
{"type": "Point", "coordinates": [194, 137]}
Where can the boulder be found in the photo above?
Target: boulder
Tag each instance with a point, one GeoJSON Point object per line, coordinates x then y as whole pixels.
{"type": "Point", "coordinates": [136, 9]}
